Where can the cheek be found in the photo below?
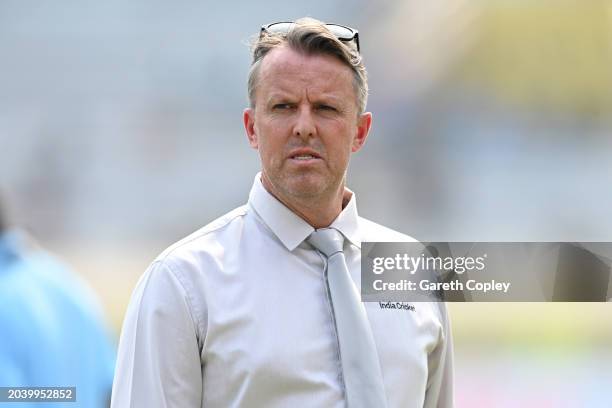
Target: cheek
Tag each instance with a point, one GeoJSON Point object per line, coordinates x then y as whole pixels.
{"type": "Point", "coordinates": [271, 150]}
{"type": "Point", "coordinates": [342, 143]}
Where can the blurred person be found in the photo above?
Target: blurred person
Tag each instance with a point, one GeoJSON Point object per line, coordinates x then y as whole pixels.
{"type": "Point", "coordinates": [51, 329]}
{"type": "Point", "coordinates": [261, 307]}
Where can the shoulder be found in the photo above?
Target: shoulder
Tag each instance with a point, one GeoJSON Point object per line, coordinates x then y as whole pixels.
{"type": "Point", "coordinates": [36, 271]}
{"type": "Point", "coordinates": [374, 232]}
{"type": "Point", "coordinates": [177, 278]}
{"type": "Point", "coordinates": [206, 238]}
{"type": "Point", "coordinates": [187, 261]}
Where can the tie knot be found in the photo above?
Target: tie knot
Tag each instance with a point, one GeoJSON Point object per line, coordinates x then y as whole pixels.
{"type": "Point", "coordinates": [327, 240]}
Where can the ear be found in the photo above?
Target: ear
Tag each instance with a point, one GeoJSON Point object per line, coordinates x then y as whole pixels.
{"type": "Point", "coordinates": [248, 117]}
{"type": "Point", "coordinates": [364, 122]}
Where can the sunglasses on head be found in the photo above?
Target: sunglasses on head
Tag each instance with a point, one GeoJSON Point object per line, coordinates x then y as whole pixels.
{"type": "Point", "coordinates": [343, 33]}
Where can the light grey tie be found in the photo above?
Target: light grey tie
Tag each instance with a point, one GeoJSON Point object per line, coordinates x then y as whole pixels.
{"type": "Point", "coordinates": [360, 365]}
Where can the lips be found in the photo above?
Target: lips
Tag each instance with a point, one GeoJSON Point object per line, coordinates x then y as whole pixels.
{"type": "Point", "coordinates": [304, 154]}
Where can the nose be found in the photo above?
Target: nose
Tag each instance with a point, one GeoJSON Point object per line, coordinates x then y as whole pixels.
{"type": "Point", "coordinates": [305, 125]}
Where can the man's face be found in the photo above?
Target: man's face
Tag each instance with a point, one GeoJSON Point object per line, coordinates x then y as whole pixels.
{"type": "Point", "coordinates": [305, 123]}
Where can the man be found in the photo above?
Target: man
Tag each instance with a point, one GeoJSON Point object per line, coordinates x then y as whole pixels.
{"type": "Point", "coordinates": [255, 310]}
{"type": "Point", "coordinates": [52, 333]}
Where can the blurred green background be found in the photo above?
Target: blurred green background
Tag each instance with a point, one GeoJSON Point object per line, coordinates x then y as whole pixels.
{"type": "Point", "coordinates": [120, 127]}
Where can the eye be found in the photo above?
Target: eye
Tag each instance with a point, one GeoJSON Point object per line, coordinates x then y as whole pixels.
{"type": "Point", "coordinates": [282, 106]}
{"type": "Point", "coordinates": [327, 108]}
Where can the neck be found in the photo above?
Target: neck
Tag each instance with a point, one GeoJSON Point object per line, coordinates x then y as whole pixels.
{"type": "Point", "coordinates": [319, 211]}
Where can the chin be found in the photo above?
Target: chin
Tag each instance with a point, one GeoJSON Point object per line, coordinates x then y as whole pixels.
{"type": "Point", "coordinates": [307, 186]}
{"type": "Point", "coordinates": [304, 189]}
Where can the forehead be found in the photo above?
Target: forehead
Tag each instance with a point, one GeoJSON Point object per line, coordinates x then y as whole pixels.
{"type": "Point", "coordinates": [290, 70]}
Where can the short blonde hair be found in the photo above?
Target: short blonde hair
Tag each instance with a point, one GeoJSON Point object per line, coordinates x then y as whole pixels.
{"type": "Point", "coordinates": [310, 36]}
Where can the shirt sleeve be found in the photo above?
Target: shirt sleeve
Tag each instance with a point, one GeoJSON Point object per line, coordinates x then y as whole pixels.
{"type": "Point", "coordinates": [158, 360]}
{"type": "Point", "coordinates": [439, 392]}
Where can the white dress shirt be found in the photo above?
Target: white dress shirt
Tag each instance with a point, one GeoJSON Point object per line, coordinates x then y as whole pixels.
{"type": "Point", "coordinates": [237, 315]}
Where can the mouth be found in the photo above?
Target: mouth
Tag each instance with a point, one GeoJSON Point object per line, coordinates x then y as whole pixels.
{"type": "Point", "coordinates": [304, 157]}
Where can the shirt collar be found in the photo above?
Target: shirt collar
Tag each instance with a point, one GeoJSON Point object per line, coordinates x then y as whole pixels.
{"type": "Point", "coordinates": [289, 227]}
{"type": "Point", "coordinates": [347, 221]}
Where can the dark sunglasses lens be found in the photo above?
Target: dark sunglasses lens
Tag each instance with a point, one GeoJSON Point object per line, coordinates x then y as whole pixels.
{"type": "Point", "coordinates": [341, 32]}
{"type": "Point", "coordinates": [279, 28]}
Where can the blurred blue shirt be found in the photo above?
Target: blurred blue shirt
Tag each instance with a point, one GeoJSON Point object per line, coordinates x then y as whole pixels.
{"type": "Point", "coordinates": [51, 329]}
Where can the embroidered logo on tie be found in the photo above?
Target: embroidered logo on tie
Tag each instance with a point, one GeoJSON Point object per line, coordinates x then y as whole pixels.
{"type": "Point", "coordinates": [397, 305]}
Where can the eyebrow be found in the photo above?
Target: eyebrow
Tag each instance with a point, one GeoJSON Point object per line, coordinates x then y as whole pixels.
{"type": "Point", "coordinates": [324, 98]}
